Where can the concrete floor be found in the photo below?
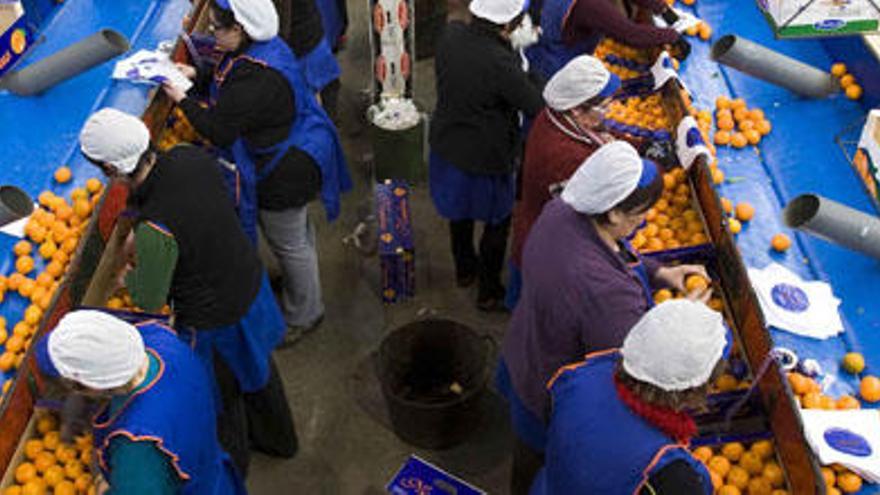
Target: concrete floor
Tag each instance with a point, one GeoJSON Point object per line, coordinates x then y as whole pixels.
{"type": "Point", "coordinates": [346, 446]}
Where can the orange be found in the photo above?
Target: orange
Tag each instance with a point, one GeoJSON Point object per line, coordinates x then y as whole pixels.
{"type": "Point", "coordinates": [61, 257]}
{"type": "Point", "coordinates": [12, 490]}
{"type": "Point", "coordinates": [780, 242]}
{"type": "Point", "coordinates": [15, 343]}
{"type": "Point", "coordinates": [44, 461]}
{"type": "Point", "coordinates": [849, 482]}
{"type": "Point", "coordinates": [853, 362]}
{"type": "Point", "coordinates": [869, 388]}
{"type": "Point", "coordinates": [854, 92]}
{"type": "Point", "coordinates": [848, 402]}
{"type": "Point", "coordinates": [60, 231]}
{"type": "Point", "coordinates": [24, 265]}
{"type": "Point", "coordinates": [838, 69]}
{"type": "Point", "coordinates": [722, 102]}
{"type": "Point", "coordinates": [773, 473]}
{"type": "Point", "coordinates": [728, 490]}
{"type": "Point", "coordinates": [55, 269]}
{"type": "Point", "coordinates": [3, 336]}
{"type": "Point", "coordinates": [660, 296]}
{"type": "Point", "coordinates": [760, 486]}
{"type": "Point", "coordinates": [93, 185]}
{"type": "Point", "coordinates": [63, 175]}
{"type": "Point", "coordinates": [7, 361]}
{"type": "Point", "coordinates": [725, 123]}
{"type": "Point", "coordinates": [733, 451]}
{"type": "Point", "coordinates": [694, 283]}
{"type": "Point", "coordinates": [82, 208]}
{"type": "Point", "coordinates": [703, 453]}
{"type": "Point", "coordinates": [726, 205]}
{"type": "Point", "coordinates": [37, 233]}
{"type": "Point", "coordinates": [54, 475]}
{"type": "Point", "coordinates": [746, 124]}
{"type": "Point", "coordinates": [763, 127]}
{"type": "Point", "coordinates": [751, 462]}
{"type": "Point", "coordinates": [717, 480]}
{"type": "Point", "coordinates": [65, 488]}
{"type": "Point", "coordinates": [740, 114]}
{"type": "Point", "coordinates": [25, 472]}
{"type": "Point", "coordinates": [779, 492]}
{"type": "Point", "coordinates": [798, 382]}
{"type": "Point", "coordinates": [705, 31]}
{"type": "Point", "coordinates": [734, 226]}
{"type": "Point", "coordinates": [812, 400]}
{"type": "Point", "coordinates": [752, 136]}
{"type": "Point", "coordinates": [756, 115]}
{"type": "Point", "coordinates": [722, 138]}
{"type": "Point", "coordinates": [719, 464]}
{"type": "Point", "coordinates": [32, 448]}
{"type": "Point", "coordinates": [726, 383]}
{"type": "Point", "coordinates": [763, 448]}
{"type": "Point", "coordinates": [847, 81]}
{"type": "Point", "coordinates": [35, 487]}
{"type": "Point", "coordinates": [22, 329]}
{"type": "Point", "coordinates": [69, 245]}
{"type": "Point", "coordinates": [73, 468]}
{"type": "Point", "coordinates": [27, 287]}
{"type": "Point", "coordinates": [86, 457]}
{"type": "Point", "coordinates": [832, 491]}
{"type": "Point", "coordinates": [7, 385]}
{"type": "Point", "coordinates": [22, 248]}
{"type": "Point", "coordinates": [738, 477]}
{"type": "Point", "coordinates": [737, 103]}
{"type": "Point", "coordinates": [51, 440]}
{"type": "Point", "coordinates": [83, 483]}
{"type": "Point", "coordinates": [47, 249]}
{"type": "Point", "coordinates": [44, 280]}
{"type": "Point", "coordinates": [666, 234]}
{"type": "Point", "coordinates": [744, 211]}
{"type": "Point", "coordinates": [64, 213]}
{"type": "Point", "coordinates": [717, 176]}
{"type": "Point", "coordinates": [32, 315]}
{"type": "Point", "coordinates": [738, 140]}
{"type": "Point", "coordinates": [79, 193]}
{"type": "Point", "coordinates": [46, 300]}
{"type": "Point", "coordinates": [830, 477]}
{"type": "Point", "coordinates": [45, 198]}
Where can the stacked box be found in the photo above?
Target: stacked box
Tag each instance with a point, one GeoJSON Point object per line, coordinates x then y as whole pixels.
{"type": "Point", "coordinates": [799, 19]}
{"type": "Point", "coordinates": [396, 247]}
{"type": "Point", "coordinates": [15, 36]}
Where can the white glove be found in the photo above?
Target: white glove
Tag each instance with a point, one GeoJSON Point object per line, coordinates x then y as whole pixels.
{"type": "Point", "coordinates": [663, 70]}
{"type": "Point", "coordinates": [689, 144]}
{"type": "Point", "coordinates": [525, 35]}
{"type": "Point", "coordinates": [685, 21]}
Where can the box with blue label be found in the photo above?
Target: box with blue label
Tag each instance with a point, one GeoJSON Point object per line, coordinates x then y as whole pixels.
{"type": "Point", "coordinates": [15, 36]}
{"type": "Point", "coordinates": [418, 477]}
{"type": "Point", "coordinates": [396, 246]}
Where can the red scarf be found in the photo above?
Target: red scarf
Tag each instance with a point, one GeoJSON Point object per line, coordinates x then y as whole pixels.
{"type": "Point", "coordinates": [678, 425]}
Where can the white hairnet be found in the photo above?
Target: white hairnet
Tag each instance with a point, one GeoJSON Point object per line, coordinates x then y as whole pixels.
{"type": "Point", "coordinates": [114, 137]}
{"type": "Point", "coordinates": [96, 349]}
{"type": "Point", "coordinates": [605, 179]}
{"type": "Point", "coordinates": [258, 17]}
{"type": "Point", "coordinates": [675, 346]}
{"type": "Point", "coordinates": [497, 11]}
{"type": "Point", "coordinates": [581, 79]}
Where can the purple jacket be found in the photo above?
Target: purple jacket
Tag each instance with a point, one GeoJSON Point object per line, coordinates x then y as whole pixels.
{"type": "Point", "coordinates": [578, 297]}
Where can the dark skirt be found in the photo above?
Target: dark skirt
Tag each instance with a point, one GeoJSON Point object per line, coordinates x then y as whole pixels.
{"type": "Point", "coordinates": [460, 195]}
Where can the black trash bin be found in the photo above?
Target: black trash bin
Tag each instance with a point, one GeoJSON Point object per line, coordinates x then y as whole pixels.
{"type": "Point", "coordinates": [434, 374]}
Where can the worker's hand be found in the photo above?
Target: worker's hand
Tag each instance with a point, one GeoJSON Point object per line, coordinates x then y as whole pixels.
{"type": "Point", "coordinates": [663, 70]}
{"type": "Point", "coordinates": [101, 485]}
{"type": "Point", "coordinates": [701, 296]}
{"type": "Point", "coordinates": [176, 94]}
{"type": "Point", "coordinates": [187, 70]}
{"type": "Point", "coordinates": [674, 276]}
{"type": "Point", "coordinates": [681, 48]}
{"type": "Point", "coordinates": [689, 143]}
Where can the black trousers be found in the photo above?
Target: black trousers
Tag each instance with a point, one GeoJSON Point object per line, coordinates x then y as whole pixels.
{"type": "Point", "coordinates": [259, 420]}
{"type": "Point", "coordinates": [330, 100]}
{"type": "Point", "coordinates": [486, 266]}
{"type": "Point", "coordinates": [526, 464]}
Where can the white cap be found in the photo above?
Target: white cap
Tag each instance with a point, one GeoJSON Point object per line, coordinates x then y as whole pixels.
{"type": "Point", "coordinates": [258, 17]}
{"type": "Point", "coordinates": [581, 79]}
{"type": "Point", "coordinates": [96, 349]}
{"type": "Point", "coordinates": [605, 178]}
{"type": "Point", "coordinates": [498, 11]}
{"type": "Point", "coordinates": [116, 138]}
{"type": "Point", "coordinates": [675, 346]}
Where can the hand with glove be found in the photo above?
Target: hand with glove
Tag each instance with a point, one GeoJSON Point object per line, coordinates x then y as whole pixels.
{"type": "Point", "coordinates": [689, 144]}
{"type": "Point", "coordinates": [663, 70]}
{"type": "Point", "coordinates": [681, 48]}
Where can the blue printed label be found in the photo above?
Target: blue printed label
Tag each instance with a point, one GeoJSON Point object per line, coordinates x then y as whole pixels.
{"type": "Point", "coordinates": [848, 442]}
{"type": "Point", "coordinates": [790, 298]}
{"type": "Point", "coordinates": [829, 25]}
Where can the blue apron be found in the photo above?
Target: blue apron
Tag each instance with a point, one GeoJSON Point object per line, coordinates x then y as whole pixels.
{"type": "Point", "coordinates": [529, 428]}
{"type": "Point", "coordinates": [320, 67]}
{"type": "Point", "coordinates": [312, 132]}
{"type": "Point", "coordinates": [246, 347]}
{"type": "Point", "coordinates": [551, 53]}
{"type": "Point", "coordinates": [641, 272]}
{"type": "Point", "coordinates": [175, 412]}
{"type": "Point", "coordinates": [596, 444]}
{"type": "Point", "coordinates": [331, 19]}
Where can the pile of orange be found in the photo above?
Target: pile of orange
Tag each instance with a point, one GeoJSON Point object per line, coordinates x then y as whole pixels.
{"type": "Point", "coordinates": [704, 123]}
{"type": "Point", "coordinates": [736, 468]}
{"type": "Point", "coordinates": [839, 479]}
{"type": "Point", "coordinates": [179, 130]}
{"type": "Point", "coordinates": [809, 394]}
{"type": "Point", "coordinates": [737, 125]}
{"type": "Point", "coordinates": [646, 112]}
{"type": "Point", "coordinates": [122, 300]}
{"type": "Point", "coordinates": [672, 222]}
{"type": "Point", "coordinates": [609, 46]}
{"type": "Point", "coordinates": [52, 235]}
{"type": "Point", "coordinates": [702, 30]}
{"type": "Point", "coordinates": [50, 466]}
{"type": "Point", "coordinates": [847, 81]}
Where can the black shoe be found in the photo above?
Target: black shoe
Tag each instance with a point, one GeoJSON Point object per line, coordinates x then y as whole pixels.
{"type": "Point", "coordinates": [296, 333]}
{"type": "Point", "coordinates": [464, 281]}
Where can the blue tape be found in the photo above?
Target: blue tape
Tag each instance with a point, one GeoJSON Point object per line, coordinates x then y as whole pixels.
{"type": "Point", "coordinates": [649, 173]}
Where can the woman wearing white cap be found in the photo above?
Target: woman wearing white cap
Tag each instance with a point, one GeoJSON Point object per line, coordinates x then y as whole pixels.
{"type": "Point", "coordinates": [620, 423]}
{"type": "Point", "coordinates": [156, 430]}
{"type": "Point", "coordinates": [562, 136]}
{"type": "Point", "coordinates": [266, 118]}
{"type": "Point", "coordinates": [223, 303]}
{"type": "Point", "coordinates": [584, 287]}
{"type": "Point", "coordinates": [475, 139]}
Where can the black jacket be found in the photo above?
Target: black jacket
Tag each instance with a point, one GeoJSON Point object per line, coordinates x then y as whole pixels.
{"type": "Point", "coordinates": [256, 103]}
{"type": "Point", "coordinates": [480, 88]}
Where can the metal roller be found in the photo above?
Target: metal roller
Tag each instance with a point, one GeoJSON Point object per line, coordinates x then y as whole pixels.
{"type": "Point", "coordinates": [834, 222]}
{"type": "Point", "coordinates": [66, 63]}
{"type": "Point", "coordinates": [773, 67]}
{"type": "Point", "coordinates": [14, 204]}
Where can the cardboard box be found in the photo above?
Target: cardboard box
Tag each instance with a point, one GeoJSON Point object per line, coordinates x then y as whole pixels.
{"type": "Point", "coordinates": [15, 37]}
{"type": "Point", "coordinates": [867, 158]}
{"type": "Point", "coordinates": [815, 18]}
{"type": "Point", "coordinates": [396, 246]}
{"type": "Point", "coordinates": [419, 477]}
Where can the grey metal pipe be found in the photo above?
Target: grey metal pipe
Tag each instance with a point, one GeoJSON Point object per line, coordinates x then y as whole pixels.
{"type": "Point", "coordinates": [834, 222]}
{"type": "Point", "coordinates": [14, 204]}
{"type": "Point", "coordinates": [66, 63]}
{"type": "Point", "coordinates": [773, 67]}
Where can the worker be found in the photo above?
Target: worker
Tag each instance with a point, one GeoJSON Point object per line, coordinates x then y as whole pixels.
{"type": "Point", "coordinates": [562, 136]}
{"type": "Point", "coordinates": [475, 139]}
{"type": "Point", "coordinates": [189, 248]}
{"type": "Point", "coordinates": [301, 27]}
{"type": "Point", "coordinates": [575, 27]}
{"type": "Point", "coordinates": [285, 147]}
{"type": "Point", "coordinates": [620, 422]}
{"type": "Point", "coordinates": [584, 287]}
{"type": "Point", "coordinates": [149, 438]}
